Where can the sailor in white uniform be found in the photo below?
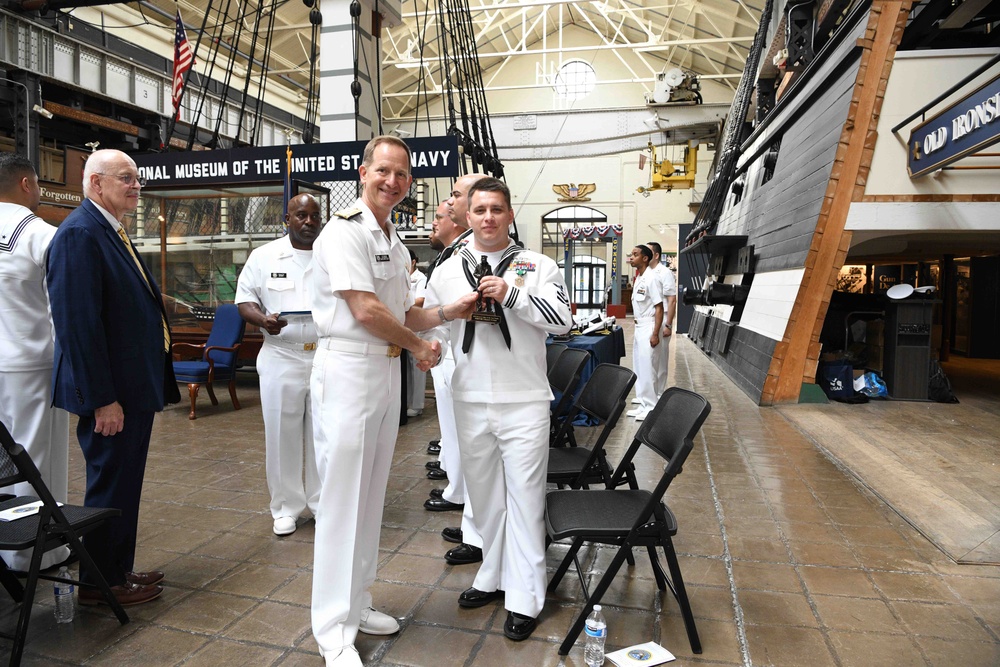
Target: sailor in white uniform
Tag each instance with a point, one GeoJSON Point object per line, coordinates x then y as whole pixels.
{"type": "Point", "coordinates": [668, 288]}
{"type": "Point", "coordinates": [416, 379]}
{"type": "Point", "coordinates": [647, 309]}
{"type": "Point", "coordinates": [274, 292]}
{"type": "Point", "coordinates": [501, 398]}
{"type": "Point", "coordinates": [27, 340]}
{"type": "Point", "coordinates": [362, 309]}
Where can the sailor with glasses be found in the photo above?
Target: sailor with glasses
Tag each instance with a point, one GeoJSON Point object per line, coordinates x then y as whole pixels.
{"type": "Point", "coordinates": [112, 363]}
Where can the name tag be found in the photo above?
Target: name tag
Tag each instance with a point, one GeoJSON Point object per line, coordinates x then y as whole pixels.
{"type": "Point", "coordinates": [279, 275]}
{"type": "Point", "coordinates": [381, 258]}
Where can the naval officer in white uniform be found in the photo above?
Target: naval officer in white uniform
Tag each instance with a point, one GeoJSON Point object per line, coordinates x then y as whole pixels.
{"type": "Point", "coordinates": [274, 292]}
{"type": "Point", "coordinates": [362, 308]}
{"type": "Point", "coordinates": [501, 398]}
{"type": "Point", "coordinates": [647, 309]}
{"type": "Point", "coordinates": [27, 341]}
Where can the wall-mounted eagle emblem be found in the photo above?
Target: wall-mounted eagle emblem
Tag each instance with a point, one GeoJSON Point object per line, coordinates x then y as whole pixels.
{"type": "Point", "coordinates": [573, 192]}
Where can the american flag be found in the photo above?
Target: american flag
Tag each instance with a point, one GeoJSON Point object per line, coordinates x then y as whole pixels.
{"type": "Point", "coordinates": [183, 61]}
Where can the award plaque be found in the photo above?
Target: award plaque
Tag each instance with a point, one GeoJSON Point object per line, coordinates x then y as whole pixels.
{"type": "Point", "coordinates": [485, 306]}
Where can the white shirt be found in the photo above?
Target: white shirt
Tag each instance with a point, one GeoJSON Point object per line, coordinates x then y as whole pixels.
{"type": "Point", "coordinates": [490, 373]}
{"type": "Point", "coordinates": [668, 284]}
{"type": "Point", "coordinates": [278, 278]}
{"type": "Point", "coordinates": [356, 255]}
{"type": "Point", "coordinates": [418, 283]}
{"type": "Point", "coordinates": [26, 334]}
{"type": "Point", "coordinates": [646, 293]}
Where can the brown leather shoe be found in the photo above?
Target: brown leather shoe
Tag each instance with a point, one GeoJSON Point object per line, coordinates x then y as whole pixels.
{"type": "Point", "coordinates": [144, 578]}
{"type": "Point", "coordinates": [127, 594]}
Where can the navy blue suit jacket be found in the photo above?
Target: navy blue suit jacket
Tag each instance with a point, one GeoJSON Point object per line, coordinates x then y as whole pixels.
{"type": "Point", "coordinates": [109, 332]}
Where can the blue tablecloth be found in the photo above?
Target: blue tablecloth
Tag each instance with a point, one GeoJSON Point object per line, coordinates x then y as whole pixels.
{"type": "Point", "coordinates": [604, 349]}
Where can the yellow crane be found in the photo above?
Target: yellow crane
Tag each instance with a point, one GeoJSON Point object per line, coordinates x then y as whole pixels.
{"type": "Point", "coordinates": [667, 176]}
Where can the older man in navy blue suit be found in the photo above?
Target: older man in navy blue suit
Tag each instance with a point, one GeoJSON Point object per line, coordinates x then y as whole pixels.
{"type": "Point", "coordinates": [112, 362]}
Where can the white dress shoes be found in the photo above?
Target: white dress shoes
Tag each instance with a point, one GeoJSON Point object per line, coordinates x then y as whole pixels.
{"type": "Point", "coordinates": [347, 657]}
{"type": "Point", "coordinates": [636, 401]}
{"type": "Point", "coordinates": [376, 623]}
{"type": "Point", "coordinates": [635, 412]}
{"type": "Point", "coordinates": [642, 414]}
{"type": "Point", "coordinates": [284, 525]}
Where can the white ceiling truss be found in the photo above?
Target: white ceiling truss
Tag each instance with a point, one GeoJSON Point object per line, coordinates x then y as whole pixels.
{"type": "Point", "coordinates": [645, 37]}
{"type": "Point", "coordinates": [708, 37]}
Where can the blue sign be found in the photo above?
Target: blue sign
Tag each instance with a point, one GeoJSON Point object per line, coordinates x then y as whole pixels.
{"type": "Point", "coordinates": [966, 127]}
{"type": "Point", "coordinates": [432, 157]}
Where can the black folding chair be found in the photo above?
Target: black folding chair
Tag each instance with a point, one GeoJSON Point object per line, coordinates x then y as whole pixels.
{"type": "Point", "coordinates": [52, 526]}
{"type": "Point", "coordinates": [552, 352]}
{"type": "Point", "coordinates": [630, 518]}
{"type": "Point", "coordinates": [603, 399]}
{"type": "Point", "coordinates": [565, 378]}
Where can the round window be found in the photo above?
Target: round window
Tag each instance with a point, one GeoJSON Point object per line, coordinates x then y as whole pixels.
{"type": "Point", "coordinates": [575, 80]}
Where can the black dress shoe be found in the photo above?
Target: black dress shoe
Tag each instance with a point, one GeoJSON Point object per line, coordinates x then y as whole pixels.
{"type": "Point", "coordinates": [433, 449]}
{"type": "Point", "coordinates": [437, 474]}
{"type": "Point", "coordinates": [442, 505]}
{"type": "Point", "coordinates": [464, 554]}
{"type": "Point", "coordinates": [518, 626]}
{"type": "Point", "coordinates": [433, 465]}
{"type": "Point", "coordinates": [453, 534]}
{"type": "Point", "coordinates": [472, 598]}
{"type": "Point", "coordinates": [434, 443]}
{"type": "Point", "coordinates": [436, 493]}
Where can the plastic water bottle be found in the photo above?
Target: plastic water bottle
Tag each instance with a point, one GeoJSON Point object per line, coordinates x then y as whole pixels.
{"type": "Point", "coordinates": [64, 598]}
{"type": "Point", "coordinates": [597, 632]}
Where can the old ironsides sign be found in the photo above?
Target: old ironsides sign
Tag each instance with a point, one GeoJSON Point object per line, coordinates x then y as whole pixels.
{"type": "Point", "coordinates": [965, 127]}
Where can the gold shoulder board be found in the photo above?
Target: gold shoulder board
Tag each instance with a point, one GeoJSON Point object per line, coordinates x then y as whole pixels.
{"type": "Point", "coordinates": [348, 213]}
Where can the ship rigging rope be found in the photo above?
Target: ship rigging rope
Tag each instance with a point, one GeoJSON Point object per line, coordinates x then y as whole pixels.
{"type": "Point", "coordinates": [207, 78]}
{"type": "Point", "coordinates": [265, 63]}
{"type": "Point", "coordinates": [312, 96]}
{"type": "Point", "coordinates": [214, 141]}
{"type": "Point", "coordinates": [715, 196]}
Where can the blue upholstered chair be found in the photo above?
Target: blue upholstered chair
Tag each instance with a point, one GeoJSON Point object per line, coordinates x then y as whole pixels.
{"type": "Point", "coordinates": [215, 360]}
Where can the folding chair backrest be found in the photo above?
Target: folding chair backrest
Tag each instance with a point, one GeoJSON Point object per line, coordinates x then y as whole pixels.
{"type": "Point", "coordinates": [227, 331]}
{"type": "Point", "coordinates": [552, 353]}
{"type": "Point", "coordinates": [566, 372]}
{"type": "Point", "coordinates": [674, 422]}
{"type": "Point", "coordinates": [9, 474]}
{"type": "Point", "coordinates": [17, 466]}
{"type": "Point", "coordinates": [565, 379]}
{"type": "Point", "coordinates": [606, 390]}
{"type": "Point", "coordinates": [668, 430]}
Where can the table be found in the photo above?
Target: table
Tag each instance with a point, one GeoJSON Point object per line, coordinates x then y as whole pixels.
{"type": "Point", "coordinates": [603, 348]}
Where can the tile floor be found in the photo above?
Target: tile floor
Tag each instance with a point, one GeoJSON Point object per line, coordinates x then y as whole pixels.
{"type": "Point", "coordinates": [787, 560]}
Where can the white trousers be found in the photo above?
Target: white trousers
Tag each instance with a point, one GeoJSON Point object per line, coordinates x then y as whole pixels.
{"type": "Point", "coordinates": [43, 431]}
{"type": "Point", "coordinates": [660, 378]}
{"type": "Point", "coordinates": [645, 361]}
{"type": "Point", "coordinates": [355, 403]}
{"type": "Point", "coordinates": [450, 457]}
{"type": "Point", "coordinates": [505, 454]}
{"type": "Point", "coordinates": [416, 385]}
{"type": "Point", "coordinates": [290, 458]}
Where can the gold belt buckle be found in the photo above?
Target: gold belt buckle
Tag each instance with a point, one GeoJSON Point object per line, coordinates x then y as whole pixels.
{"type": "Point", "coordinates": [393, 351]}
{"type": "Point", "coordinates": [309, 347]}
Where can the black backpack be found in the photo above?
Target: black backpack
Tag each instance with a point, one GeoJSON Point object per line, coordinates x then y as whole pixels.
{"type": "Point", "coordinates": [938, 387]}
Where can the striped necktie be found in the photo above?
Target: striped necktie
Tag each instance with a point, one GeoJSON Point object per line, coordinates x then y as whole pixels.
{"type": "Point", "coordinates": [138, 265]}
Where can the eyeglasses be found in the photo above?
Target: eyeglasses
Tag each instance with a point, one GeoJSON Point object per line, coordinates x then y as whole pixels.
{"type": "Point", "coordinates": [127, 179]}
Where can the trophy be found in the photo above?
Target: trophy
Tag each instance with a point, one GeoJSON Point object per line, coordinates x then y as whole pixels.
{"type": "Point", "coordinates": [485, 306]}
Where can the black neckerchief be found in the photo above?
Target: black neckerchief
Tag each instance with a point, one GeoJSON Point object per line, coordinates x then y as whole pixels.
{"type": "Point", "coordinates": [469, 264]}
